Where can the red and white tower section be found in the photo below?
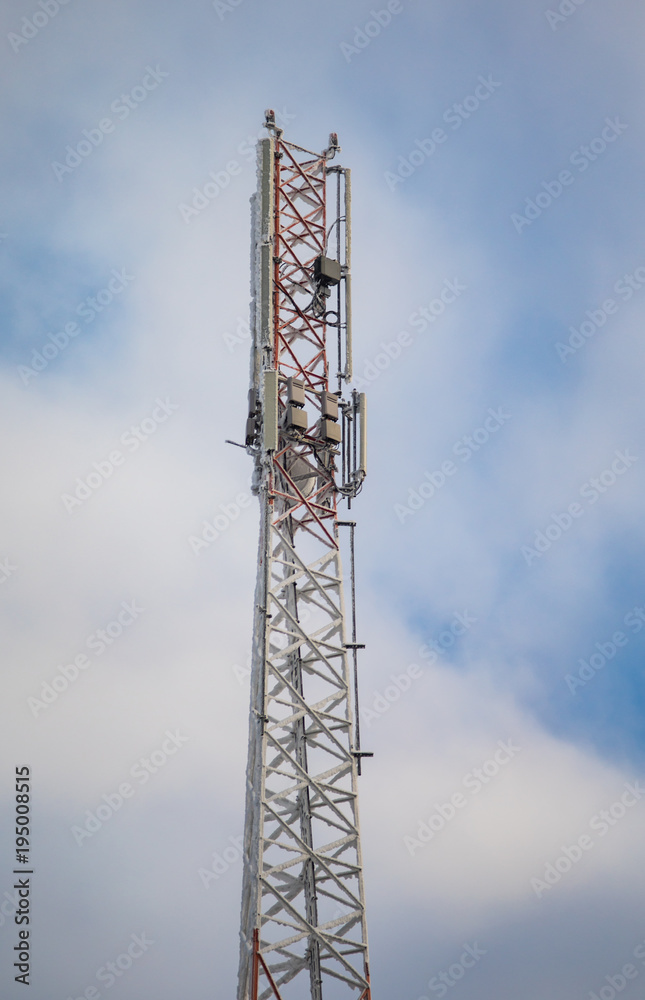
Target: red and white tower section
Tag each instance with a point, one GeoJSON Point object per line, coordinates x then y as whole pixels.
{"type": "Point", "coordinates": [303, 928]}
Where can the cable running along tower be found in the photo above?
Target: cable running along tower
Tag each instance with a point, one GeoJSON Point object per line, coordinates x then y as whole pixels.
{"type": "Point", "coordinates": [303, 931]}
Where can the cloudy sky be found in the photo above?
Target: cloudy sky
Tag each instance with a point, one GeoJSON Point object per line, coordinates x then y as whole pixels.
{"type": "Point", "coordinates": [499, 288]}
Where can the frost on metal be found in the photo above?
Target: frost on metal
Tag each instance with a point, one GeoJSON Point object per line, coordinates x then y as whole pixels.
{"type": "Point", "coordinates": [303, 930]}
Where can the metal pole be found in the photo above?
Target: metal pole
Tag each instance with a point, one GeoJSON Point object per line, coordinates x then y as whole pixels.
{"type": "Point", "coordinates": [348, 275]}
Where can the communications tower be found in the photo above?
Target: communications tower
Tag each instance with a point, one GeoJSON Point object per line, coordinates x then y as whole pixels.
{"type": "Point", "coordinates": [303, 930]}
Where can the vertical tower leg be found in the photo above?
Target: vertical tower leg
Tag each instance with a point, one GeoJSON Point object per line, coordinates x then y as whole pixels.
{"type": "Point", "coordinates": [303, 929]}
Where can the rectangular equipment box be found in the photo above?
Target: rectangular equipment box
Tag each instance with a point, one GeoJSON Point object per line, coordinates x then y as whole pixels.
{"type": "Point", "coordinates": [327, 270]}
{"type": "Point", "coordinates": [330, 431]}
{"type": "Point", "coordinates": [295, 391]}
{"type": "Point", "coordinates": [296, 417]}
{"type": "Point", "coordinates": [329, 405]}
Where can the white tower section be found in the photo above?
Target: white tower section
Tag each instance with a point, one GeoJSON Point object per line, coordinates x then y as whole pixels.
{"type": "Point", "coordinates": [303, 929]}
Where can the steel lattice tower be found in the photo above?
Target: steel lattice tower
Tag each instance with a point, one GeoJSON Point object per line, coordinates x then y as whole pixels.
{"type": "Point", "coordinates": [303, 930]}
